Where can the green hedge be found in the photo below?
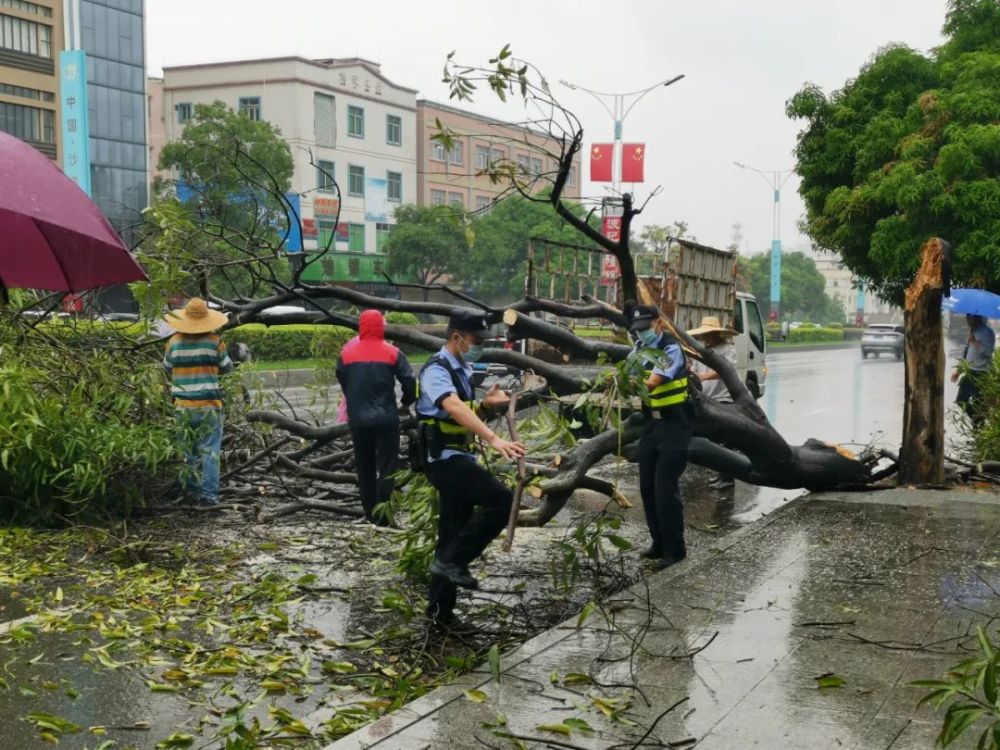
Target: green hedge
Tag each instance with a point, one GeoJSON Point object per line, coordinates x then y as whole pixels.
{"type": "Point", "coordinates": [302, 341]}
{"type": "Point", "coordinates": [807, 335]}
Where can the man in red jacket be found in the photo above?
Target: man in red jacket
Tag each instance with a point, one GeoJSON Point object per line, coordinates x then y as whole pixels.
{"type": "Point", "coordinates": [368, 369]}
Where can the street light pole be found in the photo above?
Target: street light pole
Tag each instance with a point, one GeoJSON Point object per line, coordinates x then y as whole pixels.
{"type": "Point", "coordinates": [619, 112]}
{"type": "Point", "coordinates": [775, 181]}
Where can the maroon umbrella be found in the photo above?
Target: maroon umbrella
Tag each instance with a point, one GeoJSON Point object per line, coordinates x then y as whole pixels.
{"type": "Point", "coordinates": [52, 236]}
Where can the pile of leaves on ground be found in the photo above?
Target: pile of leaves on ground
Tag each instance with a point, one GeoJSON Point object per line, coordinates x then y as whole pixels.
{"type": "Point", "coordinates": [244, 636]}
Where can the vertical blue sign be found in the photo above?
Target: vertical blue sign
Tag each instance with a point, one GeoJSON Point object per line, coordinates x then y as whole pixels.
{"type": "Point", "coordinates": [859, 304]}
{"type": "Point", "coordinates": [75, 117]}
{"type": "Point", "coordinates": [775, 274]}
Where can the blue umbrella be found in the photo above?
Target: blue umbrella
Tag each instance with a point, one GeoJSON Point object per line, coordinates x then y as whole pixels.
{"type": "Point", "coordinates": [973, 302]}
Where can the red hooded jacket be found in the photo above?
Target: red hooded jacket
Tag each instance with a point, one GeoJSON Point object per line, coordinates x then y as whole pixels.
{"type": "Point", "coordinates": [368, 369]}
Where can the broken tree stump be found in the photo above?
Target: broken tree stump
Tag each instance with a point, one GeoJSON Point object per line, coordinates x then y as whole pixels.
{"type": "Point", "coordinates": [921, 457]}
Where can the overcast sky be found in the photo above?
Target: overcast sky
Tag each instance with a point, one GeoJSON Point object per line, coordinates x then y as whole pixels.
{"type": "Point", "coordinates": [742, 60]}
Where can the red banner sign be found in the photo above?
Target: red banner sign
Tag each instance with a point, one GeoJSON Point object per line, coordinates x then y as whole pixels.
{"type": "Point", "coordinates": [309, 230]}
{"type": "Point", "coordinates": [611, 227]}
{"type": "Point", "coordinates": [633, 160]}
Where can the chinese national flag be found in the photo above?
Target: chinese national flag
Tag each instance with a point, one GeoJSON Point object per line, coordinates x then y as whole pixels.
{"type": "Point", "coordinates": [633, 158]}
{"type": "Point", "coordinates": [601, 155]}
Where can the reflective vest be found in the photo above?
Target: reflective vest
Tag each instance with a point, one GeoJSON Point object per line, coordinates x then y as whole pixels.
{"type": "Point", "coordinates": [668, 393]}
{"type": "Point", "coordinates": [451, 432]}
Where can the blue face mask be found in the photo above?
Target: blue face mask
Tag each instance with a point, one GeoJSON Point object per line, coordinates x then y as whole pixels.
{"type": "Point", "coordinates": [649, 337]}
{"type": "Point", "coordinates": [472, 356]}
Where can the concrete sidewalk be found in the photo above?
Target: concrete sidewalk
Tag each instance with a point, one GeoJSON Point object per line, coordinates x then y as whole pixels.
{"type": "Point", "coordinates": [878, 589]}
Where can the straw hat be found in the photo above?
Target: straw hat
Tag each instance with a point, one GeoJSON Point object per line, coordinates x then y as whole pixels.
{"type": "Point", "coordinates": [196, 317]}
{"type": "Point", "coordinates": [711, 324]}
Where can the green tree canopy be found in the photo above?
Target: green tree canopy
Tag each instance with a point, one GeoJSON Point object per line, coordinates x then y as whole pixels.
{"type": "Point", "coordinates": [907, 150]}
{"type": "Point", "coordinates": [803, 295]}
{"type": "Point", "coordinates": [426, 244]}
{"type": "Point", "coordinates": [495, 263]}
{"type": "Point", "coordinates": [655, 238]}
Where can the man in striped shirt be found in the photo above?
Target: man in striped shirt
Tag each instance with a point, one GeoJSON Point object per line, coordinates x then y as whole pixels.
{"type": "Point", "coordinates": [195, 358]}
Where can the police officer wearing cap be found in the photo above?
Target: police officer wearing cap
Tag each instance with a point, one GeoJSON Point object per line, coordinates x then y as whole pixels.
{"type": "Point", "coordinates": [664, 444]}
{"type": "Point", "coordinates": [450, 420]}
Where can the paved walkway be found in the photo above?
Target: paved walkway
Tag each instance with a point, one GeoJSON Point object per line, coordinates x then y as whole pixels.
{"type": "Point", "coordinates": [878, 589]}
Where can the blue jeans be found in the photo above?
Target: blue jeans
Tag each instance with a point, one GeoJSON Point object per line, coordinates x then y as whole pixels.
{"type": "Point", "coordinates": [201, 443]}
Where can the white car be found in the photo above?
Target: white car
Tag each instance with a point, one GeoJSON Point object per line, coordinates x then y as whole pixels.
{"type": "Point", "coordinates": [882, 337]}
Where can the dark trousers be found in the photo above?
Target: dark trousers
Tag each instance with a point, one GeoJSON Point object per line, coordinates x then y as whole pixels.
{"type": "Point", "coordinates": [663, 454]}
{"type": "Point", "coordinates": [376, 456]}
{"type": "Point", "coordinates": [463, 531]}
{"type": "Point", "coordinates": [968, 396]}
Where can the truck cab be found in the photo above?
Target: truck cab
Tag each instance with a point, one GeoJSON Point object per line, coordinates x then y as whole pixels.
{"type": "Point", "coordinates": [751, 345]}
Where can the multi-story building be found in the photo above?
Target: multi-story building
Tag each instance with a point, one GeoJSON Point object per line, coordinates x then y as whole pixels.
{"type": "Point", "coordinates": [345, 122]}
{"type": "Point", "coordinates": [842, 288]}
{"type": "Point", "coordinates": [31, 36]}
{"type": "Point", "coordinates": [454, 176]}
{"type": "Point", "coordinates": [112, 34]}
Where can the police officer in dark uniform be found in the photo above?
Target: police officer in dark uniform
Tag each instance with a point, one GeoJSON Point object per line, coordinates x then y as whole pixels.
{"type": "Point", "coordinates": [663, 448]}
{"type": "Point", "coordinates": [450, 420]}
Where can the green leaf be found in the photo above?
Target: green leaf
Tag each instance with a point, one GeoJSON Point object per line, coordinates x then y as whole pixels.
{"type": "Point", "coordinates": [588, 609]}
{"type": "Point", "coordinates": [476, 696]}
{"type": "Point", "coordinates": [829, 680]}
{"type": "Point", "coordinates": [555, 729]}
{"type": "Point", "coordinates": [494, 661]}
{"type": "Point", "coordinates": [578, 724]}
{"type": "Point", "coordinates": [577, 678]}
{"type": "Point", "coordinates": [620, 542]}
{"type": "Point", "coordinates": [990, 681]}
{"type": "Point", "coordinates": [178, 739]}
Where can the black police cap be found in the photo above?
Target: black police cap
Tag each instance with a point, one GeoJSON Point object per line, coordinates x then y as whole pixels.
{"type": "Point", "coordinates": [642, 317]}
{"type": "Point", "coordinates": [469, 321]}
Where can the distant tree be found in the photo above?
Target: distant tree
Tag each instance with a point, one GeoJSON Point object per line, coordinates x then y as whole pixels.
{"type": "Point", "coordinates": [232, 173]}
{"type": "Point", "coordinates": [427, 244]}
{"type": "Point", "coordinates": [655, 238]}
{"type": "Point", "coordinates": [803, 294]}
{"type": "Point", "coordinates": [229, 161]}
{"type": "Point", "coordinates": [906, 150]}
{"type": "Point", "coordinates": [495, 263]}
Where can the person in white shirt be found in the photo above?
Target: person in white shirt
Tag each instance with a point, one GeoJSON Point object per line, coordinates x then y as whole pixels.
{"type": "Point", "coordinates": [719, 339]}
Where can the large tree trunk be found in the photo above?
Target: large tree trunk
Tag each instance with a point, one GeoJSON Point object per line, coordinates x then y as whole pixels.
{"type": "Point", "coordinates": [921, 459]}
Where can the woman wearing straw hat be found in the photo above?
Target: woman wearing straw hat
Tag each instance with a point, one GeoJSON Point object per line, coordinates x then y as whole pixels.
{"type": "Point", "coordinates": [195, 358]}
{"type": "Point", "coordinates": [718, 339]}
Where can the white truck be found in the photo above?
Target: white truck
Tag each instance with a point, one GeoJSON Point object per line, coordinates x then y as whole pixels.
{"type": "Point", "coordinates": [693, 281]}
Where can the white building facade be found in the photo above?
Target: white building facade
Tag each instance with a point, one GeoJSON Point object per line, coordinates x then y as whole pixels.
{"type": "Point", "coordinates": [842, 288]}
{"type": "Point", "coordinates": [342, 119]}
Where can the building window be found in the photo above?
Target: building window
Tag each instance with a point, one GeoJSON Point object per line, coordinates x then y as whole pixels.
{"type": "Point", "coordinates": [482, 157]}
{"type": "Point", "coordinates": [356, 241]}
{"type": "Point", "coordinates": [438, 197]}
{"type": "Point", "coordinates": [327, 231]}
{"type": "Point", "coordinates": [355, 122]}
{"type": "Point", "coordinates": [26, 93]}
{"type": "Point", "coordinates": [571, 181]}
{"type": "Point", "coordinates": [183, 112]}
{"type": "Point", "coordinates": [324, 120]}
{"type": "Point", "coordinates": [29, 37]}
{"type": "Point", "coordinates": [499, 154]}
{"type": "Point", "coordinates": [325, 173]}
{"type": "Point", "coordinates": [524, 161]}
{"type": "Point", "coordinates": [394, 130]}
{"type": "Point", "coordinates": [456, 154]}
{"type": "Point", "coordinates": [356, 181]}
{"type": "Point", "coordinates": [381, 235]}
{"type": "Point", "coordinates": [483, 202]}
{"type": "Point", "coordinates": [394, 186]}
{"type": "Point", "coordinates": [536, 166]}
{"type": "Point", "coordinates": [455, 200]}
{"type": "Point", "coordinates": [250, 107]}
{"type": "Point", "coordinates": [437, 151]}
{"type": "Point", "coordinates": [21, 5]}
{"type": "Point", "coordinates": [28, 123]}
